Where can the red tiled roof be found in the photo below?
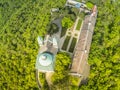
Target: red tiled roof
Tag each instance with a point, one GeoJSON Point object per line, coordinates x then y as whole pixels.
{"type": "Point", "coordinates": [83, 45]}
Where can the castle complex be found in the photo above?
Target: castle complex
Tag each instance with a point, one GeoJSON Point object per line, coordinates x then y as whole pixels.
{"type": "Point", "coordinates": [50, 45]}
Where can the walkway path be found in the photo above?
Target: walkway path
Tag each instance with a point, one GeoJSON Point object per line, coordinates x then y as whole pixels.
{"type": "Point", "coordinates": [48, 76]}
{"type": "Point", "coordinates": [38, 80]}
{"type": "Point", "coordinates": [57, 35]}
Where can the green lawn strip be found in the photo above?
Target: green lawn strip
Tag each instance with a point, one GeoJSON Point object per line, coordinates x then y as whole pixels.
{"type": "Point", "coordinates": [79, 24]}
{"type": "Point", "coordinates": [89, 5]}
{"type": "Point", "coordinates": [72, 46]}
{"type": "Point", "coordinates": [67, 39]}
{"type": "Point", "coordinates": [82, 15]}
{"type": "Point", "coordinates": [63, 32]}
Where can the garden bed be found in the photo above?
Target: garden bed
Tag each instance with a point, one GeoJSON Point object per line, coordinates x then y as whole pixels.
{"type": "Point", "coordinates": [67, 39]}
{"type": "Point", "coordinates": [72, 46]}
{"type": "Point", "coordinates": [79, 24]}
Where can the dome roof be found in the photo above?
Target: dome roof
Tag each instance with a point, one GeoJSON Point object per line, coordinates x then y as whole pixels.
{"type": "Point", "coordinates": [45, 59]}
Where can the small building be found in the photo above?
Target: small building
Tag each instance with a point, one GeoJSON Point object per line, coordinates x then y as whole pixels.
{"type": "Point", "coordinates": [73, 3]}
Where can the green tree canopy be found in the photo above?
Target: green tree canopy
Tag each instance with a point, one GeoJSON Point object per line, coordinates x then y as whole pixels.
{"type": "Point", "coordinates": [67, 22]}
{"type": "Point", "coordinates": [52, 28]}
{"type": "Point", "coordinates": [61, 77]}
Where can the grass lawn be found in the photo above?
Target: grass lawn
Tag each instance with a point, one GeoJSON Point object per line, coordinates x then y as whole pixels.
{"type": "Point", "coordinates": [64, 47]}
{"type": "Point", "coordinates": [72, 46]}
{"type": "Point", "coordinates": [82, 15]}
{"type": "Point", "coordinates": [79, 24]}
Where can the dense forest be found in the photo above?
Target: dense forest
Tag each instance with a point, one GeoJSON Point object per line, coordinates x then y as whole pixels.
{"type": "Point", "coordinates": [21, 21]}
{"type": "Point", "coordinates": [104, 56]}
